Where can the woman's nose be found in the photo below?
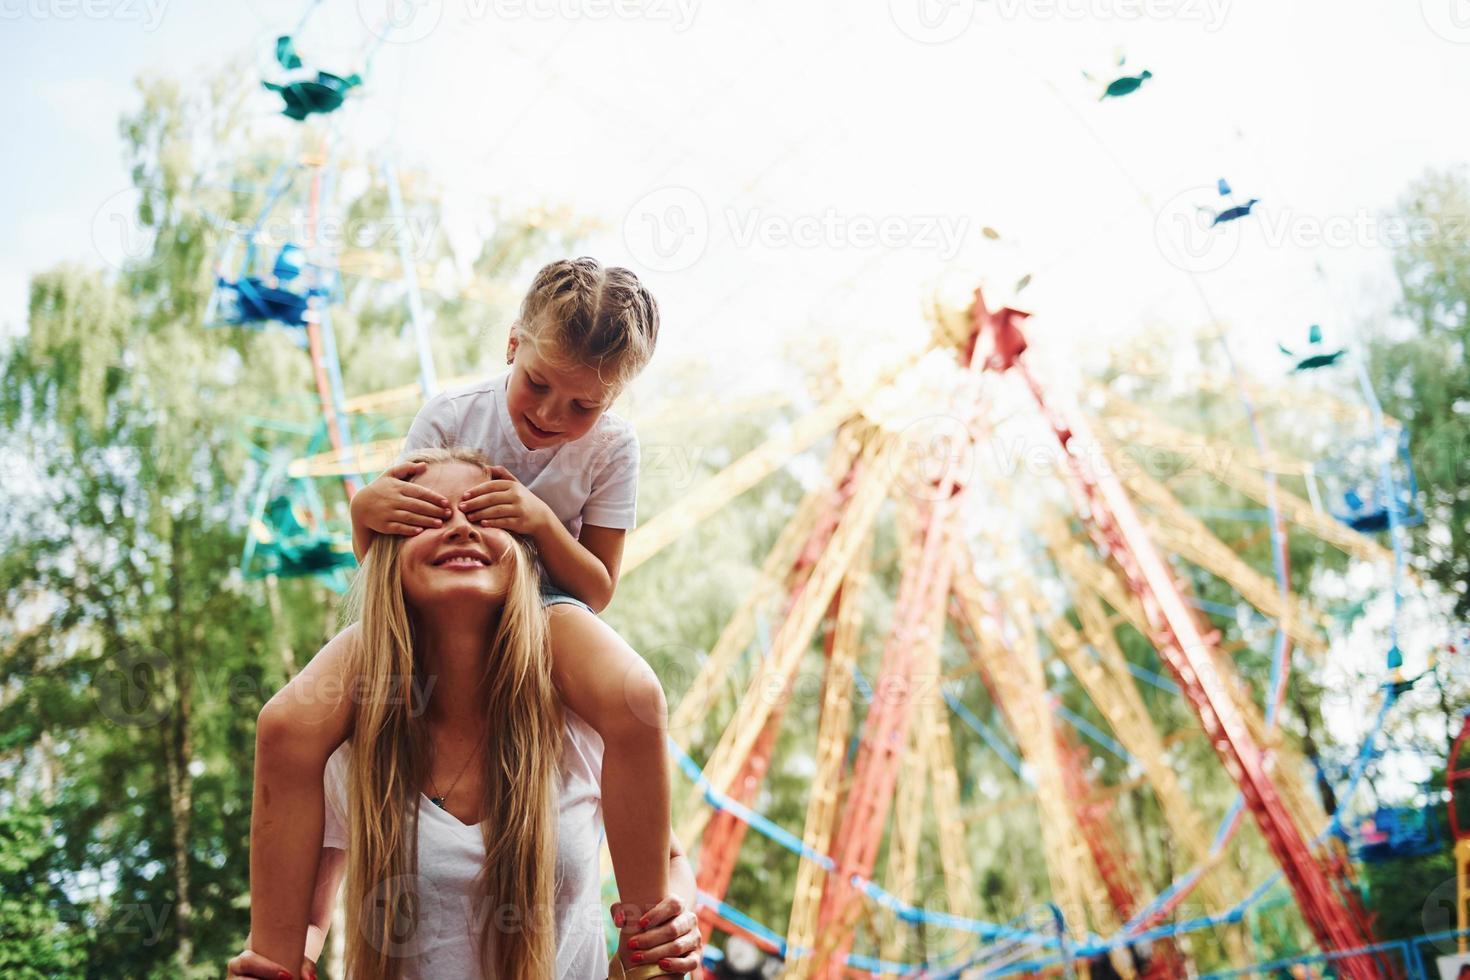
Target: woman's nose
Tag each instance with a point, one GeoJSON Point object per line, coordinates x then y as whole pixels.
{"type": "Point", "coordinates": [458, 524]}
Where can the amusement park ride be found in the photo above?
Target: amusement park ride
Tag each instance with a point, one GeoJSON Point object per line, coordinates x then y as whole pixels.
{"type": "Point", "coordinates": [1022, 604]}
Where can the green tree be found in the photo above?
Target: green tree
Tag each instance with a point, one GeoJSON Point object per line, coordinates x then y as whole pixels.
{"type": "Point", "coordinates": [1422, 374]}
{"type": "Point", "coordinates": [44, 936]}
{"type": "Point", "coordinates": [134, 655]}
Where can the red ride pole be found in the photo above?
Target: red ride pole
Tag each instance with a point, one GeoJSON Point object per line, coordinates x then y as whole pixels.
{"type": "Point", "coordinates": [1115, 527]}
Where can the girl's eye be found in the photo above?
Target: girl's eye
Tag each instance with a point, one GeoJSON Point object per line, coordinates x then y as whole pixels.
{"type": "Point", "coordinates": [585, 408]}
{"type": "Point", "coordinates": [536, 385]}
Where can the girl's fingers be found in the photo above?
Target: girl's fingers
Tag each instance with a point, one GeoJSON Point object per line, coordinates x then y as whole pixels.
{"type": "Point", "coordinates": [431, 497]}
{"type": "Point", "coordinates": [405, 470]}
{"type": "Point", "coordinates": [488, 499]}
{"type": "Point", "coordinates": [471, 504]}
{"type": "Point", "coordinates": [252, 964]}
{"type": "Point", "coordinates": [394, 527]}
{"type": "Point", "coordinates": [501, 513]}
{"type": "Point", "coordinates": [414, 505]}
{"type": "Point", "coordinates": [478, 489]}
{"type": "Point", "coordinates": [418, 520]}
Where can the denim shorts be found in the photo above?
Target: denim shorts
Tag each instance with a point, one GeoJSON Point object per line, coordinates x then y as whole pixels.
{"type": "Point", "coordinates": [552, 596]}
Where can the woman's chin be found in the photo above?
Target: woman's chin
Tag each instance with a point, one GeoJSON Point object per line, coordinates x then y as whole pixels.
{"type": "Point", "coordinates": [457, 596]}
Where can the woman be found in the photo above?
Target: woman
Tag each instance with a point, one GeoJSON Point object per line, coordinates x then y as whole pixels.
{"type": "Point", "coordinates": [464, 810]}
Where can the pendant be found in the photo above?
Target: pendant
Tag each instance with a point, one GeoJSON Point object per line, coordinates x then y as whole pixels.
{"type": "Point", "coordinates": [437, 801]}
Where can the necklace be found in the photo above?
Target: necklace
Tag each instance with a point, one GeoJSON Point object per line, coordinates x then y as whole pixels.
{"type": "Point", "coordinates": [438, 798]}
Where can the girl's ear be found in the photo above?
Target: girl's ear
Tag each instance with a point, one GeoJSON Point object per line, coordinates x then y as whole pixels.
{"type": "Point", "coordinates": [513, 342]}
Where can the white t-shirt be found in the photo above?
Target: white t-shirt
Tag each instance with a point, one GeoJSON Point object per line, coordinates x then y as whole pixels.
{"type": "Point", "coordinates": [592, 479]}
{"type": "Point", "coordinates": [451, 854]}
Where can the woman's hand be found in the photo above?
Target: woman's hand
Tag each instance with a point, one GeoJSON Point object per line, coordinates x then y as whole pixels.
{"type": "Point", "coordinates": [251, 964]}
{"type": "Point", "coordinates": [669, 936]}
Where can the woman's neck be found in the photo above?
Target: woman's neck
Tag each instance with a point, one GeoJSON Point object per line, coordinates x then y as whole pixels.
{"type": "Point", "coordinates": [454, 663]}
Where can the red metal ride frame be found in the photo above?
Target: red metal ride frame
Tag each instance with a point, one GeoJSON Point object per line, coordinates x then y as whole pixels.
{"type": "Point", "coordinates": [1115, 527]}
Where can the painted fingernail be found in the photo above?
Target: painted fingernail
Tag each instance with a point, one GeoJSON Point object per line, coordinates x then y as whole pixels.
{"type": "Point", "coordinates": [632, 944]}
{"type": "Point", "coordinates": [283, 975]}
{"type": "Point", "coordinates": [618, 919]}
{"type": "Point", "coordinates": [643, 923]}
{"type": "Point", "coordinates": [664, 964]}
{"type": "Point", "coordinates": [636, 957]}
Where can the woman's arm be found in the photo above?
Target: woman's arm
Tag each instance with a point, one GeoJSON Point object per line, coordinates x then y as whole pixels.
{"type": "Point", "coordinates": [681, 873]}
{"type": "Point", "coordinates": [330, 867]}
{"type": "Point", "coordinates": [297, 732]}
{"type": "Point", "coordinates": [671, 937]}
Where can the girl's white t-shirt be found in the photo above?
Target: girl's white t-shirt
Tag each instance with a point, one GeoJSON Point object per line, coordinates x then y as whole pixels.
{"type": "Point", "coordinates": [450, 855]}
{"type": "Point", "coordinates": [592, 479]}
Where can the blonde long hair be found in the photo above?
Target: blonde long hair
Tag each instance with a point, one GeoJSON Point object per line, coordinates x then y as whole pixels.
{"type": "Point", "coordinates": [390, 750]}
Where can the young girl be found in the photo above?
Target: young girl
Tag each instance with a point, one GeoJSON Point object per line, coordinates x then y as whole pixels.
{"type": "Point", "coordinates": [567, 479]}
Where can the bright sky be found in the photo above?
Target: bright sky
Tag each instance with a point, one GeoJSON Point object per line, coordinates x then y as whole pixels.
{"type": "Point", "coordinates": [750, 159]}
{"type": "Point", "coordinates": [784, 173]}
